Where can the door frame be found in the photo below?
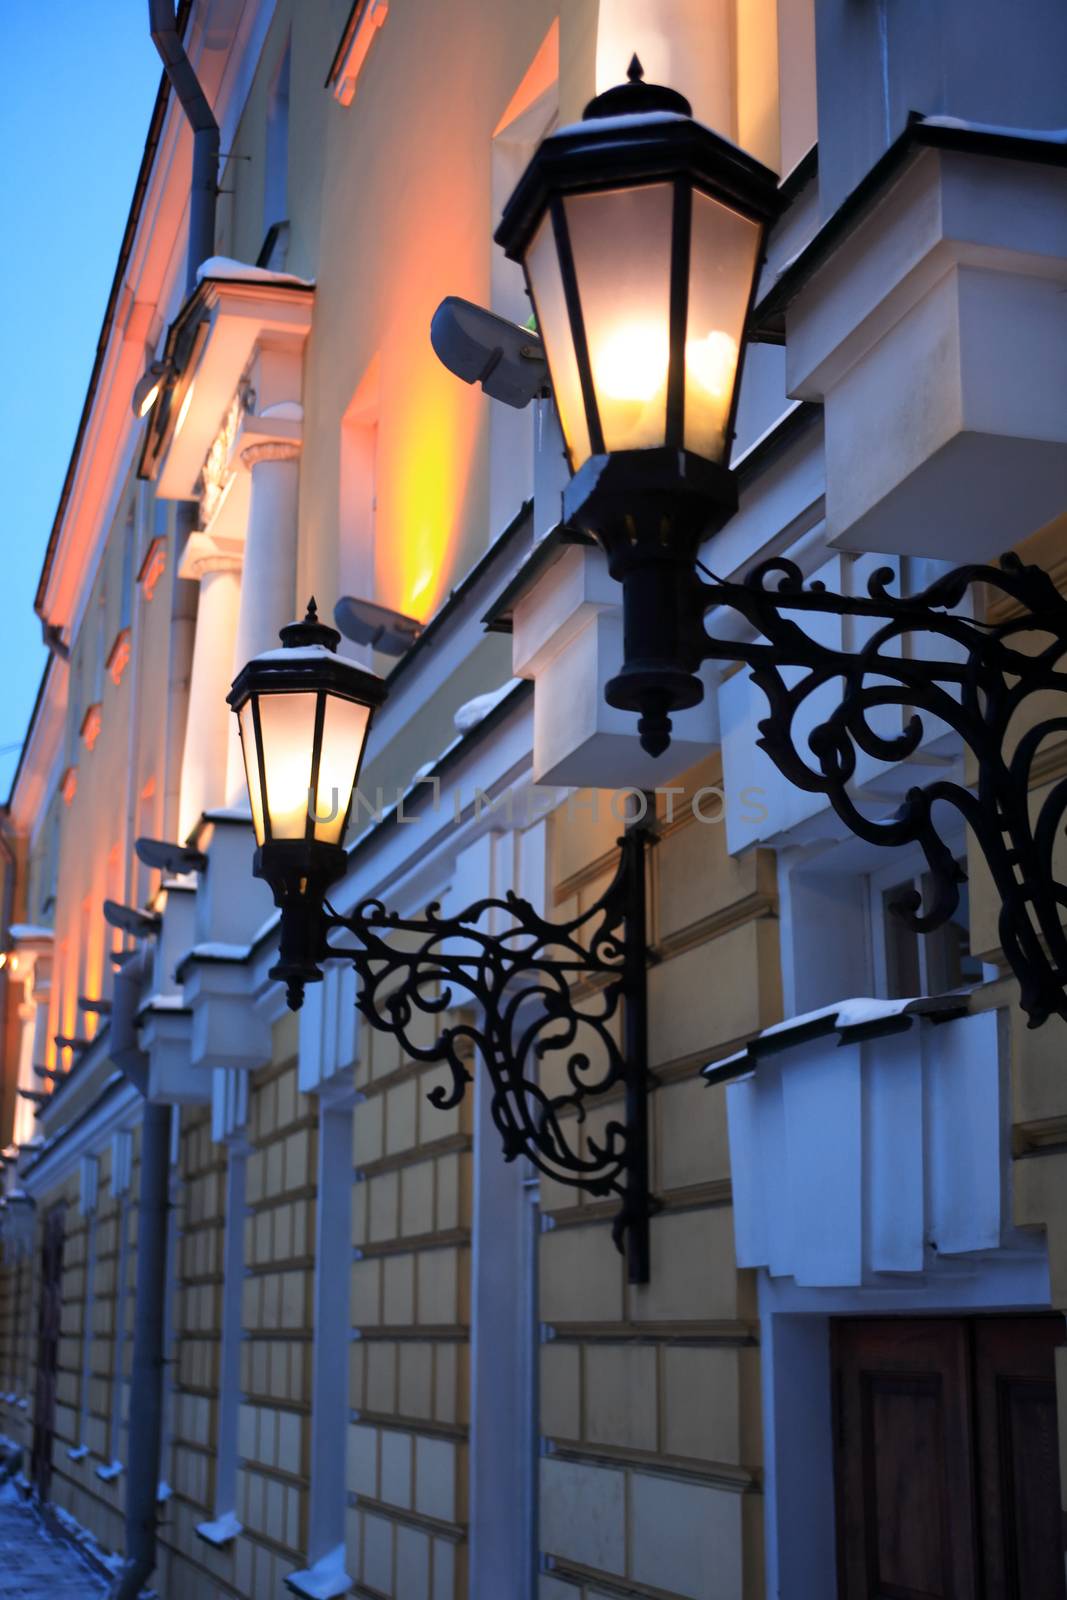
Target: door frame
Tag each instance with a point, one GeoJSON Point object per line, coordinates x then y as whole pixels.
{"type": "Point", "coordinates": [800, 1539]}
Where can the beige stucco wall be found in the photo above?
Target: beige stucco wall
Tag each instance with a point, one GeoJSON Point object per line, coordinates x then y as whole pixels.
{"type": "Point", "coordinates": [650, 1394]}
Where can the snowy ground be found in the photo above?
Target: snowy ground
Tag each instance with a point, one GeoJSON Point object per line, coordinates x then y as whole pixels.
{"type": "Point", "coordinates": [36, 1564]}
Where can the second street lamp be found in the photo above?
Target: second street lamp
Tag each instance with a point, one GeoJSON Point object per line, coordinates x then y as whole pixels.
{"type": "Point", "coordinates": [555, 1012]}
{"type": "Point", "coordinates": [304, 713]}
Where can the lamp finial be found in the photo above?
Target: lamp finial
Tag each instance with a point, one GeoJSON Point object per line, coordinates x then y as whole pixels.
{"type": "Point", "coordinates": [310, 631]}
{"type": "Point", "coordinates": [635, 95]}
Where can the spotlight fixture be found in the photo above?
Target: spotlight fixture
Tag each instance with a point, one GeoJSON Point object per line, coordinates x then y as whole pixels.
{"type": "Point", "coordinates": [364, 622]}
{"type": "Point", "coordinates": [148, 387]}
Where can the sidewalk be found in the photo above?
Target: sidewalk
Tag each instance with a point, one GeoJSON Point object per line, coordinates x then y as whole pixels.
{"type": "Point", "coordinates": [36, 1564]}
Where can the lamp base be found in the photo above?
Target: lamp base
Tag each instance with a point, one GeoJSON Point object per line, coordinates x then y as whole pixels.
{"type": "Point", "coordinates": [650, 511]}
{"type": "Point", "coordinates": [299, 872]}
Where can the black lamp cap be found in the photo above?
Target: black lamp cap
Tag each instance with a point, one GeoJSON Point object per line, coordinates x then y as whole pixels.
{"type": "Point", "coordinates": [636, 96]}
{"type": "Point", "coordinates": [310, 631]}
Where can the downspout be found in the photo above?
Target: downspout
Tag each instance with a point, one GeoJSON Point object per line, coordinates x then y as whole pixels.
{"type": "Point", "coordinates": [146, 1376]}
{"type": "Point", "coordinates": [146, 1379]}
{"type": "Point", "coordinates": [7, 1018]}
{"type": "Point", "coordinates": [203, 193]}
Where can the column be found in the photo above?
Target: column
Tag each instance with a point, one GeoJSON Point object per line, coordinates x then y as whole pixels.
{"type": "Point", "coordinates": [268, 592]}
{"type": "Point", "coordinates": [210, 729]}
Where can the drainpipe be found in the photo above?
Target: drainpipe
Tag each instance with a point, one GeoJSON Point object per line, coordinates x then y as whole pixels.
{"type": "Point", "coordinates": [146, 1377]}
{"type": "Point", "coordinates": [203, 190]}
{"type": "Point", "coordinates": [7, 1016]}
{"type": "Point", "coordinates": [146, 1380]}
{"type": "Point", "coordinates": [203, 193]}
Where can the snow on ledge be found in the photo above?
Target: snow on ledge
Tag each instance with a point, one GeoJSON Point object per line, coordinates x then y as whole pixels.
{"type": "Point", "coordinates": [85, 1541]}
{"type": "Point", "coordinates": [325, 1580]}
{"type": "Point", "coordinates": [222, 1530]}
{"type": "Point", "coordinates": [475, 711]}
{"type": "Point", "coordinates": [226, 269]}
{"type": "Point", "coordinates": [842, 1017]}
{"type": "Point", "coordinates": [1041, 135]}
{"type": "Point", "coordinates": [109, 1473]}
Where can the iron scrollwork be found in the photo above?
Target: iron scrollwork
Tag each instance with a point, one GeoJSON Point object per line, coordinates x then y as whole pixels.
{"type": "Point", "coordinates": [928, 659]}
{"type": "Point", "coordinates": [554, 1012]}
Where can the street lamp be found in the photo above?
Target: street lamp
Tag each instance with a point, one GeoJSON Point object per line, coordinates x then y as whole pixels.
{"type": "Point", "coordinates": [497, 980]}
{"type": "Point", "coordinates": [641, 233]}
{"type": "Point", "coordinates": [304, 713]}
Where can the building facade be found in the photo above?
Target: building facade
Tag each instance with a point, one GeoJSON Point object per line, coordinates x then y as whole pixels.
{"type": "Point", "coordinates": [398, 1366]}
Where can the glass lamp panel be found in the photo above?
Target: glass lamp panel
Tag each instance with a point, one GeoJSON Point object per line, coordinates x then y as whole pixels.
{"type": "Point", "coordinates": [251, 758]}
{"type": "Point", "coordinates": [621, 244]}
{"type": "Point", "coordinates": [344, 730]}
{"type": "Point", "coordinates": [546, 287]}
{"type": "Point", "coordinates": [287, 723]}
{"type": "Point", "coordinates": [722, 264]}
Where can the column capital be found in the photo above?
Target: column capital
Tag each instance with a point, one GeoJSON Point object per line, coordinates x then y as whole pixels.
{"type": "Point", "coordinates": [203, 565]}
{"type": "Point", "coordinates": [270, 450]}
{"type": "Point", "coordinates": [205, 554]}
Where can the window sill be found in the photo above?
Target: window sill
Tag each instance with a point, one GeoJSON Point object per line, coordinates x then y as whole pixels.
{"type": "Point", "coordinates": [326, 1580]}
{"type": "Point", "coordinates": [220, 1532]}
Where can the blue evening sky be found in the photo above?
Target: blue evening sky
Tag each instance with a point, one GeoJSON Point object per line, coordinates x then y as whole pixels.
{"type": "Point", "coordinates": [78, 86]}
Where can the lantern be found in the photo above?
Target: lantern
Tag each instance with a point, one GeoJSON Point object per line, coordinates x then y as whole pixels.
{"type": "Point", "coordinates": [304, 714]}
{"type": "Point", "coordinates": [641, 232]}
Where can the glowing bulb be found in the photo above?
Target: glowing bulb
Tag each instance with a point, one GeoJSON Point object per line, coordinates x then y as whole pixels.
{"type": "Point", "coordinates": [184, 411]}
{"type": "Point", "coordinates": [631, 363]}
{"type": "Point", "coordinates": [711, 362]}
{"type": "Point", "coordinates": [149, 400]}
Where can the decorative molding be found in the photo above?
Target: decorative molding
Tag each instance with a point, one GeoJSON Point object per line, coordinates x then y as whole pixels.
{"type": "Point", "coordinates": [217, 470]}
{"type": "Point", "coordinates": [121, 1161]}
{"type": "Point", "coordinates": [270, 450]}
{"type": "Point", "coordinates": [153, 566]}
{"type": "Point", "coordinates": [364, 20]}
{"type": "Point", "coordinates": [89, 1185]}
{"type": "Point", "coordinates": [91, 724]}
{"type": "Point", "coordinates": [118, 656]}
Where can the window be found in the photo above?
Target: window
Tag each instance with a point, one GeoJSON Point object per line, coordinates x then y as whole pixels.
{"type": "Point", "coordinates": [525, 447]}
{"type": "Point", "coordinates": [906, 963]}
{"type": "Point", "coordinates": [229, 1126]}
{"type": "Point", "coordinates": [358, 505]}
{"type": "Point", "coordinates": [230, 1351]}
{"type": "Point", "coordinates": [90, 1179]}
{"type": "Point", "coordinates": [118, 1422]}
{"type": "Point", "coordinates": [276, 165]}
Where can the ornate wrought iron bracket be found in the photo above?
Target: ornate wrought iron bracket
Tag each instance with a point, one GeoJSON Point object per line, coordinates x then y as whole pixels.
{"type": "Point", "coordinates": [925, 657]}
{"type": "Point", "coordinates": [555, 1013]}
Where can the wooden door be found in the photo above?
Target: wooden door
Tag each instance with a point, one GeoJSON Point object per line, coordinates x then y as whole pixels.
{"type": "Point", "coordinates": [48, 1329]}
{"type": "Point", "coordinates": [1018, 1456]}
{"type": "Point", "coordinates": [947, 1469]}
{"type": "Point", "coordinates": [905, 1485]}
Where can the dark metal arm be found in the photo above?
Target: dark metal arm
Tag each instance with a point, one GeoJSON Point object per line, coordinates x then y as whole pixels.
{"type": "Point", "coordinates": [541, 1005]}
{"type": "Point", "coordinates": [980, 679]}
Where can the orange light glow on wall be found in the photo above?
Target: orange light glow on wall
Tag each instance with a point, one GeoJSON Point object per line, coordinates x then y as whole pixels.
{"type": "Point", "coordinates": [118, 657]}
{"type": "Point", "coordinates": [541, 74]}
{"type": "Point", "coordinates": [68, 784]}
{"type": "Point", "coordinates": [153, 566]}
{"type": "Point", "coordinates": [90, 728]}
{"type": "Point", "coordinates": [430, 432]}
